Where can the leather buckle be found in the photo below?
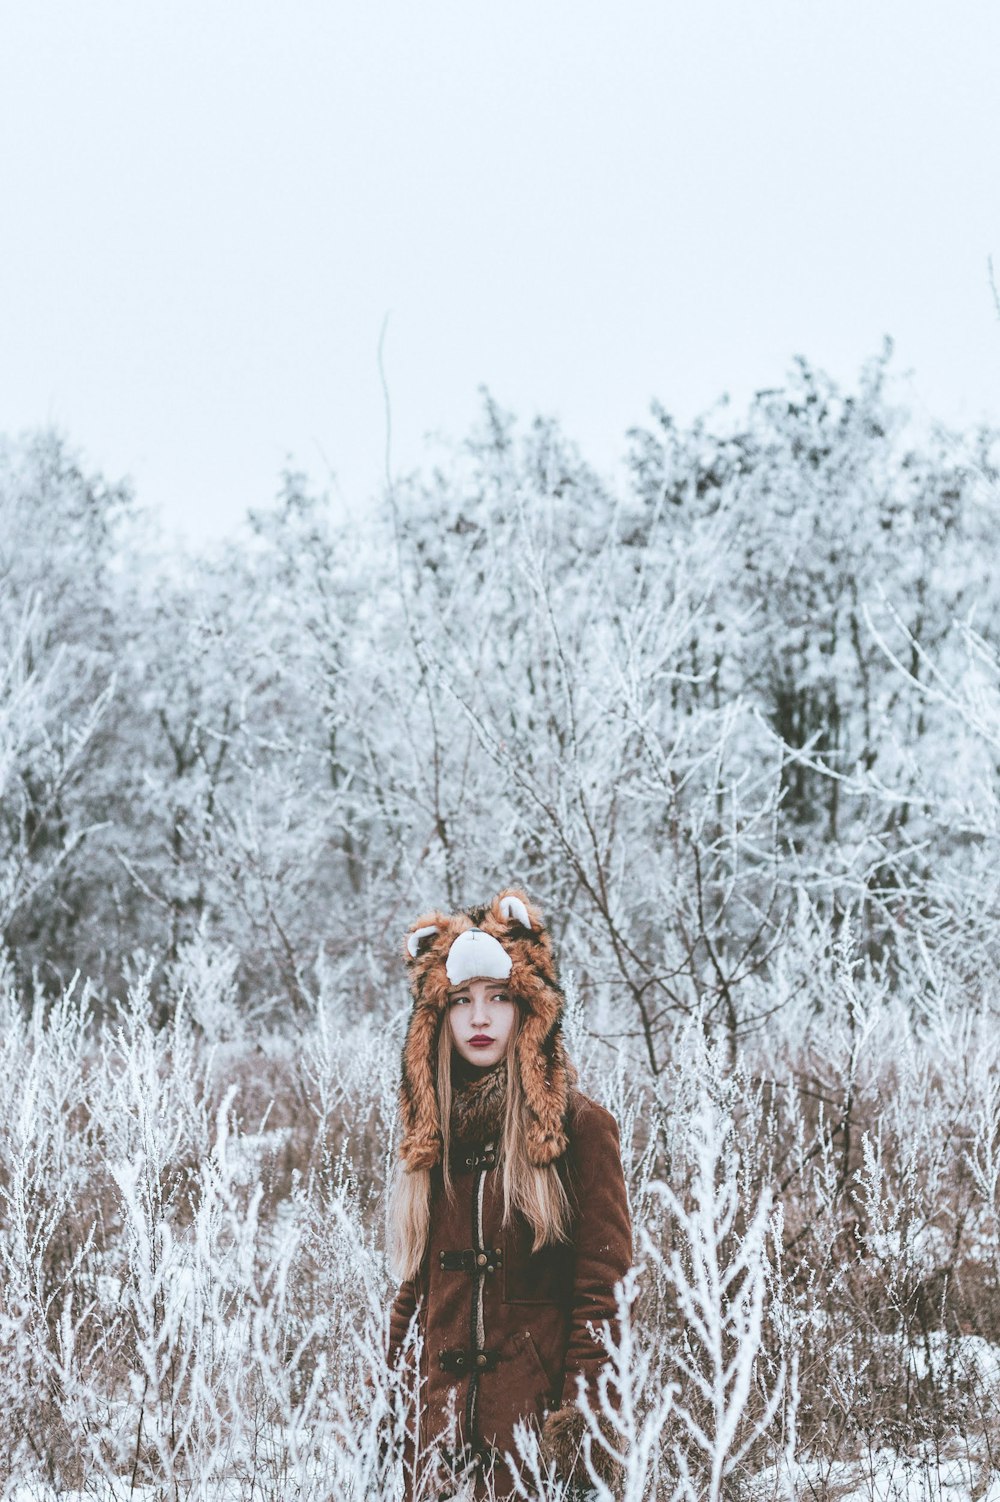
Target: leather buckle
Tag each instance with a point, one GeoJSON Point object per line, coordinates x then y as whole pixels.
{"type": "Point", "coordinates": [474, 1157]}
{"type": "Point", "coordinates": [475, 1260]}
{"type": "Point", "coordinates": [458, 1361]}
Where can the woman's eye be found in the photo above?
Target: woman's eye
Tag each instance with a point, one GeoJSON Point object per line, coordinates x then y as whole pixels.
{"type": "Point", "coordinates": [458, 1000]}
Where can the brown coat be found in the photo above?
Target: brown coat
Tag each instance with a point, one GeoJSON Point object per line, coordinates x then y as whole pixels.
{"type": "Point", "coordinates": [536, 1306]}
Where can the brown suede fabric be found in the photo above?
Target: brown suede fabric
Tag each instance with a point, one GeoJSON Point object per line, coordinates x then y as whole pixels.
{"type": "Point", "coordinates": [535, 1305]}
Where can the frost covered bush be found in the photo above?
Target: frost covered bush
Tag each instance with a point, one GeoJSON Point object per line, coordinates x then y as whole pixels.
{"type": "Point", "coordinates": [186, 1278]}
{"type": "Point", "coordinates": [194, 1287]}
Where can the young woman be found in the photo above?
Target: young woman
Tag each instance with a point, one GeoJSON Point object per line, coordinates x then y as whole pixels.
{"type": "Point", "coordinates": [508, 1216]}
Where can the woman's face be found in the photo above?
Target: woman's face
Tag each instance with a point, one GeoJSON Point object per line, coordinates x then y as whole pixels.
{"type": "Point", "coordinates": [481, 1018]}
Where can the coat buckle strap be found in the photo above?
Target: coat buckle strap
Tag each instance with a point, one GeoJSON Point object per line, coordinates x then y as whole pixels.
{"type": "Point", "coordinates": [476, 1260]}
{"type": "Point", "coordinates": [458, 1361]}
{"type": "Point", "coordinates": [474, 1157]}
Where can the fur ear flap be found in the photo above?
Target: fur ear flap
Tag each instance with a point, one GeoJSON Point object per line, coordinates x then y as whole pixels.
{"type": "Point", "coordinates": [413, 939]}
{"type": "Point", "coordinates": [425, 948]}
{"type": "Point", "coordinates": [563, 1444]}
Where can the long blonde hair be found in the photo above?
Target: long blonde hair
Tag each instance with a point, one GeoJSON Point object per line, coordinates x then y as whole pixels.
{"type": "Point", "coordinates": [536, 1193]}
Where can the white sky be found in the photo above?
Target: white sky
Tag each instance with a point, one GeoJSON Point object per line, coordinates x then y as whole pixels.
{"type": "Point", "coordinates": [207, 208]}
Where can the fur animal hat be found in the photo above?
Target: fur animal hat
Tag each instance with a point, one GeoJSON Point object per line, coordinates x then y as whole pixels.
{"type": "Point", "coordinates": [514, 926]}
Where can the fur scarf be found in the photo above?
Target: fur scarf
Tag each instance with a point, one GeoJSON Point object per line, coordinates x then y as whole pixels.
{"type": "Point", "coordinates": [478, 1103]}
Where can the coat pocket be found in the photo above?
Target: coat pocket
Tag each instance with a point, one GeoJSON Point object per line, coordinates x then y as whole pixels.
{"type": "Point", "coordinates": [517, 1388]}
{"type": "Point", "coordinates": [540, 1383]}
{"type": "Point", "coordinates": [542, 1277]}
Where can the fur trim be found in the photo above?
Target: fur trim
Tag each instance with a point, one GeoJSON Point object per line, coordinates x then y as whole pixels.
{"type": "Point", "coordinates": [562, 1446]}
{"type": "Point", "coordinates": [543, 1068]}
{"type": "Point", "coordinates": [477, 1107]}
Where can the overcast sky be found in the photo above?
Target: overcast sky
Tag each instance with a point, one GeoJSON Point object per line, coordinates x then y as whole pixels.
{"type": "Point", "coordinates": [208, 209]}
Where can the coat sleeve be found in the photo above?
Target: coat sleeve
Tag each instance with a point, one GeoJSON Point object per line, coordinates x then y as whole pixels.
{"type": "Point", "coordinates": [403, 1308]}
{"type": "Point", "coordinates": [603, 1239]}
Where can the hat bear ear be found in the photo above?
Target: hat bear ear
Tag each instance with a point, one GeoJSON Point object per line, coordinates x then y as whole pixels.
{"type": "Point", "coordinates": [513, 909]}
{"type": "Point", "coordinates": [414, 939]}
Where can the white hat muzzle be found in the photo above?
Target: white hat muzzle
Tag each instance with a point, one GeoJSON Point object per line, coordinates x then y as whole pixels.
{"type": "Point", "coordinates": [476, 955]}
